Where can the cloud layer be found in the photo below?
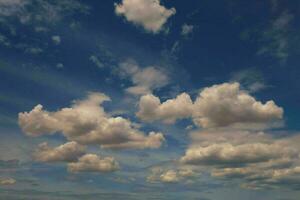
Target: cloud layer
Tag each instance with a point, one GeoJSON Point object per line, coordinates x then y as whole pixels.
{"type": "Point", "coordinates": [258, 159]}
{"type": "Point", "coordinates": [149, 14]}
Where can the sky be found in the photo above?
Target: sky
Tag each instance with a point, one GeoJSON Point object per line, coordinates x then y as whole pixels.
{"type": "Point", "coordinates": [149, 99]}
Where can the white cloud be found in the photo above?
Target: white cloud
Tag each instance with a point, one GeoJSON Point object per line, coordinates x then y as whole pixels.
{"type": "Point", "coordinates": [87, 123]}
{"type": "Point", "coordinates": [145, 80]}
{"type": "Point", "coordinates": [93, 163]}
{"type": "Point", "coordinates": [56, 39]}
{"type": "Point", "coordinates": [187, 29]}
{"type": "Point", "coordinates": [63, 153]}
{"type": "Point", "coordinates": [151, 109]}
{"type": "Point", "coordinates": [149, 14]}
{"type": "Point", "coordinates": [227, 105]}
{"type": "Point", "coordinates": [7, 181]}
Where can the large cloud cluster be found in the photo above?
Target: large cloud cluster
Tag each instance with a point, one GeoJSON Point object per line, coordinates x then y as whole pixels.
{"type": "Point", "coordinates": [148, 14]}
{"type": "Point", "coordinates": [87, 123]}
{"type": "Point", "coordinates": [224, 105]}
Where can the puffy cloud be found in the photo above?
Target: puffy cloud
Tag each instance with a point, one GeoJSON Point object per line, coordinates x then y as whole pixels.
{"type": "Point", "coordinates": [149, 14]}
{"type": "Point", "coordinates": [224, 105]}
{"type": "Point", "coordinates": [63, 153]}
{"type": "Point", "coordinates": [7, 181]}
{"type": "Point", "coordinates": [144, 79]}
{"type": "Point", "coordinates": [86, 122]}
{"type": "Point", "coordinates": [93, 163]}
{"type": "Point", "coordinates": [227, 105]}
{"type": "Point", "coordinates": [151, 109]}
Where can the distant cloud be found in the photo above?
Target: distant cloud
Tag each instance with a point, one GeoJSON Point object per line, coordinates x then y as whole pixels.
{"type": "Point", "coordinates": [34, 18]}
{"type": "Point", "coordinates": [93, 163]}
{"type": "Point", "coordinates": [7, 181]}
{"type": "Point", "coordinates": [96, 61]}
{"type": "Point", "coordinates": [145, 80]}
{"type": "Point", "coordinates": [276, 38]}
{"type": "Point", "coordinates": [257, 159]}
{"type": "Point", "coordinates": [87, 123]}
{"type": "Point", "coordinates": [148, 14]}
{"type": "Point", "coordinates": [63, 153]}
{"type": "Point", "coordinates": [59, 65]}
{"type": "Point", "coordinates": [56, 39]}
{"type": "Point", "coordinates": [187, 29]}
{"type": "Point", "coordinates": [183, 174]}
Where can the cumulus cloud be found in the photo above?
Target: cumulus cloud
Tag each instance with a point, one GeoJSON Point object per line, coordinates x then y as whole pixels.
{"type": "Point", "coordinates": [259, 160]}
{"type": "Point", "coordinates": [86, 122]}
{"type": "Point", "coordinates": [151, 15]}
{"type": "Point", "coordinates": [224, 105]}
{"type": "Point", "coordinates": [145, 80]}
{"type": "Point", "coordinates": [63, 153]}
{"type": "Point", "coordinates": [7, 181]}
{"type": "Point", "coordinates": [93, 163]}
{"type": "Point", "coordinates": [151, 109]}
{"type": "Point", "coordinates": [227, 105]}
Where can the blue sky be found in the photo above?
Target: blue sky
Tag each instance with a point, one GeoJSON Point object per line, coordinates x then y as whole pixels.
{"type": "Point", "coordinates": [140, 99]}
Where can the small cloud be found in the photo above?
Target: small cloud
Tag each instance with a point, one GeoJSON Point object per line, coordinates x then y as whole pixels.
{"type": "Point", "coordinates": [59, 66]}
{"type": "Point", "coordinates": [187, 29]}
{"type": "Point", "coordinates": [33, 50]}
{"type": "Point", "coordinates": [149, 14]}
{"type": "Point", "coordinates": [56, 39]}
{"type": "Point", "coordinates": [96, 61]}
{"type": "Point", "coordinates": [7, 181]}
